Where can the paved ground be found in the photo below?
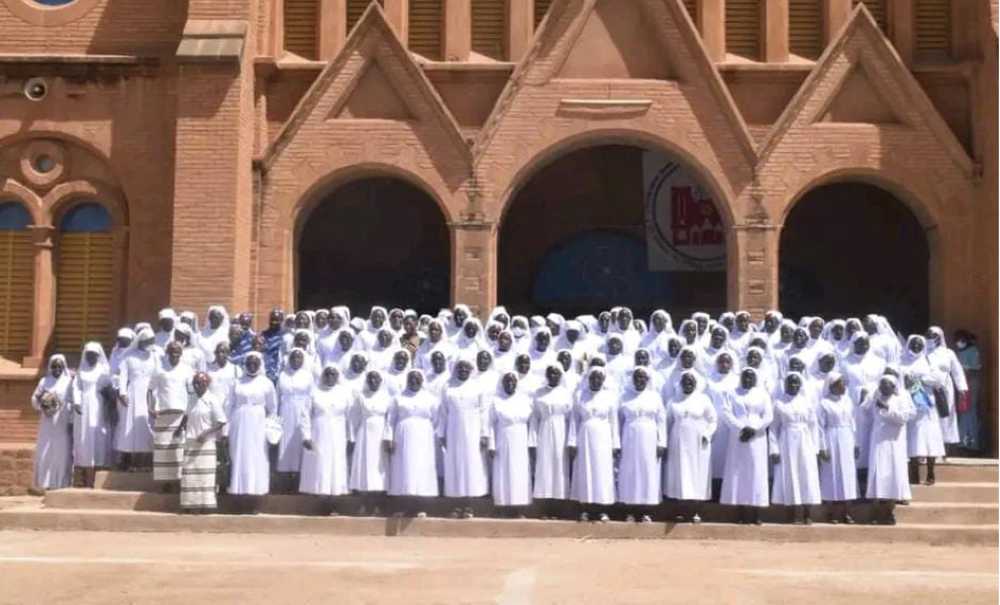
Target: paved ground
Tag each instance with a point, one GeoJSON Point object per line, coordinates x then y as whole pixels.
{"type": "Point", "coordinates": [108, 568]}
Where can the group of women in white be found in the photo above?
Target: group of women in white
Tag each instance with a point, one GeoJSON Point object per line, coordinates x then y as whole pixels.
{"type": "Point", "coordinates": [598, 410]}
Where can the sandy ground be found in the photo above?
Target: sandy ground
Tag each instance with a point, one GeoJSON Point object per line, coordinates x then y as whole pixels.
{"type": "Point", "coordinates": [109, 568]}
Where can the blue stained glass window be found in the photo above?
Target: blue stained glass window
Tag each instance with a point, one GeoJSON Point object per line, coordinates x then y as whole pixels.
{"type": "Point", "coordinates": [13, 216]}
{"type": "Point", "coordinates": [54, 2]}
{"type": "Point", "coordinates": [88, 216]}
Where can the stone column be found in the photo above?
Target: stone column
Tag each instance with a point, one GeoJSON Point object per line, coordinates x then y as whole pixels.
{"type": "Point", "coordinates": [44, 316]}
{"type": "Point", "coordinates": [835, 13]}
{"type": "Point", "coordinates": [775, 31]}
{"type": "Point", "coordinates": [331, 28]}
{"type": "Point", "coordinates": [520, 26]}
{"type": "Point", "coordinates": [753, 267]}
{"type": "Point", "coordinates": [456, 30]}
{"type": "Point", "coordinates": [713, 28]}
{"type": "Point", "coordinates": [473, 267]}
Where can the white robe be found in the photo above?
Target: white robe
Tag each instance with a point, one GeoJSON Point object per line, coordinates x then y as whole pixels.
{"type": "Point", "coordinates": [862, 373]}
{"type": "Point", "coordinates": [366, 428]}
{"type": "Point", "coordinates": [53, 467]}
{"type": "Point", "coordinates": [888, 472]}
{"type": "Point", "coordinates": [223, 382]}
{"type": "Point", "coordinates": [294, 389]}
{"type": "Point", "coordinates": [324, 467]}
{"type": "Point", "coordinates": [253, 400]}
{"type": "Point", "coordinates": [463, 420]}
{"type": "Point", "coordinates": [547, 434]}
{"type": "Point", "coordinates": [718, 389]}
{"type": "Point", "coordinates": [134, 434]}
{"type": "Point", "coordinates": [795, 435]}
{"type": "Point", "coordinates": [91, 431]}
{"type": "Point", "coordinates": [508, 438]}
{"type": "Point", "coordinates": [691, 420]}
{"type": "Point", "coordinates": [411, 429]}
{"type": "Point", "coordinates": [745, 476]}
{"type": "Point", "coordinates": [838, 477]}
{"type": "Point", "coordinates": [593, 431]}
{"type": "Point", "coordinates": [643, 422]}
{"type": "Point", "coordinates": [944, 361]}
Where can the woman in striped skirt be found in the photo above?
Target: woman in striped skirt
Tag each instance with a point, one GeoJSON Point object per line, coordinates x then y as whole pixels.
{"type": "Point", "coordinates": [168, 400]}
{"type": "Point", "coordinates": [204, 421]}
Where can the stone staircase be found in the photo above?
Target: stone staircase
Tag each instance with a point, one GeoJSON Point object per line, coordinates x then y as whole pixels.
{"type": "Point", "coordinates": [962, 509]}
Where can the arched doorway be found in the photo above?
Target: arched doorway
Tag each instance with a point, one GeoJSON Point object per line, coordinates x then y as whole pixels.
{"type": "Point", "coordinates": [852, 248]}
{"type": "Point", "coordinates": [374, 241]}
{"type": "Point", "coordinates": [613, 225]}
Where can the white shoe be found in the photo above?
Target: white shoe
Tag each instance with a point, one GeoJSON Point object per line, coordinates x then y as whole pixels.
{"type": "Point", "coordinates": [421, 515]}
{"type": "Point", "coordinates": [584, 517]}
{"type": "Point", "coordinates": [604, 518]}
{"type": "Point", "coordinates": [645, 519]}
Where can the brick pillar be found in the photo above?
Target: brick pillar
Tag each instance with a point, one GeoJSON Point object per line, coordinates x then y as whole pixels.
{"type": "Point", "coordinates": [457, 30]}
{"type": "Point", "coordinates": [775, 30]}
{"type": "Point", "coordinates": [753, 267]}
{"type": "Point", "coordinates": [835, 13]}
{"type": "Point", "coordinates": [397, 13]}
{"type": "Point", "coordinates": [713, 28]}
{"type": "Point", "coordinates": [474, 262]}
{"type": "Point", "coordinates": [901, 28]}
{"type": "Point", "coordinates": [520, 27]}
{"type": "Point", "coordinates": [332, 28]}
{"type": "Point", "coordinates": [44, 317]}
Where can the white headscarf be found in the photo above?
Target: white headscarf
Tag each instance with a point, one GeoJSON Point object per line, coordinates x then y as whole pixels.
{"type": "Point", "coordinates": [210, 338]}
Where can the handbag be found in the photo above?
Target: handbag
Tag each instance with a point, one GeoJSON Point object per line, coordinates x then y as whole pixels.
{"type": "Point", "coordinates": [941, 402]}
{"type": "Point", "coordinates": [272, 430]}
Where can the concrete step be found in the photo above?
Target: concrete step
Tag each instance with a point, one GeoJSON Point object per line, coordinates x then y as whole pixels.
{"type": "Point", "coordinates": [37, 518]}
{"type": "Point", "coordinates": [120, 480]}
{"type": "Point", "coordinates": [957, 492]}
{"type": "Point", "coordinates": [966, 470]}
{"type": "Point", "coordinates": [951, 513]}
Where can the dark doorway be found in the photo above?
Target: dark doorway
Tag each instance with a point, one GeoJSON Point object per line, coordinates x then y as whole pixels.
{"type": "Point", "coordinates": [848, 249]}
{"type": "Point", "coordinates": [575, 241]}
{"type": "Point", "coordinates": [374, 241]}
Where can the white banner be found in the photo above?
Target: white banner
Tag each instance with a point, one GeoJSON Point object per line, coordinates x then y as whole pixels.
{"type": "Point", "coordinates": [684, 231]}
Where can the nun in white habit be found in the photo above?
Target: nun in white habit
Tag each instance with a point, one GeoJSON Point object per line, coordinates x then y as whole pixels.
{"type": "Point", "coordinates": [54, 447]}
{"type": "Point", "coordinates": [863, 369]}
{"type": "Point", "coordinates": [722, 381]}
{"type": "Point", "coordinates": [838, 477]}
{"type": "Point", "coordinates": [643, 421]}
{"type": "Point", "coordinates": [91, 430]}
{"type": "Point", "coordinates": [945, 362]}
{"type": "Point", "coordinates": [923, 432]}
{"type": "Point", "coordinates": [547, 433]}
{"type": "Point", "coordinates": [691, 422]}
{"type": "Point", "coordinates": [410, 431]}
{"type": "Point", "coordinates": [888, 479]}
{"type": "Point", "coordinates": [254, 400]}
{"type": "Point", "coordinates": [294, 390]}
{"type": "Point", "coordinates": [134, 435]}
{"type": "Point", "coordinates": [747, 413]}
{"type": "Point", "coordinates": [795, 444]}
{"type": "Point", "coordinates": [463, 428]}
{"type": "Point", "coordinates": [594, 441]}
{"type": "Point", "coordinates": [323, 426]}
{"type": "Point", "coordinates": [165, 324]}
{"type": "Point", "coordinates": [365, 428]}
{"type": "Point", "coordinates": [508, 445]}
{"type": "Point", "coordinates": [436, 341]}
{"type": "Point", "coordinates": [216, 330]}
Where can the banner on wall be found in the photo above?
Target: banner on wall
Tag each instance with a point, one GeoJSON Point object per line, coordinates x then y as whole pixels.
{"type": "Point", "coordinates": [684, 231]}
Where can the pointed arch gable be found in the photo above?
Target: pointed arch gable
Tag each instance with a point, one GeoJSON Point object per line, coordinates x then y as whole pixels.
{"type": "Point", "coordinates": [692, 108]}
{"type": "Point", "coordinates": [861, 47]}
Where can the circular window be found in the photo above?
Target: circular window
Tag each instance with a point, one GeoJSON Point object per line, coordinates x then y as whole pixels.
{"type": "Point", "coordinates": [53, 2]}
{"type": "Point", "coordinates": [43, 163]}
{"type": "Point", "coordinates": [50, 12]}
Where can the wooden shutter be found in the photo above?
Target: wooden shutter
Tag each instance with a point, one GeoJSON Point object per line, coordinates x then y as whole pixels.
{"type": "Point", "coordinates": [805, 28]}
{"type": "Point", "coordinates": [933, 28]}
{"type": "Point", "coordinates": [877, 9]}
{"type": "Point", "coordinates": [356, 8]}
{"type": "Point", "coordinates": [425, 28]}
{"type": "Point", "coordinates": [17, 293]}
{"type": "Point", "coordinates": [301, 18]}
{"type": "Point", "coordinates": [84, 290]}
{"type": "Point", "coordinates": [541, 7]}
{"type": "Point", "coordinates": [488, 28]}
{"type": "Point", "coordinates": [692, 9]}
{"type": "Point", "coordinates": [743, 28]}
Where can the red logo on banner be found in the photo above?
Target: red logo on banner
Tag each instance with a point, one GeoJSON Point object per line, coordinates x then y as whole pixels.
{"type": "Point", "coordinates": [694, 222]}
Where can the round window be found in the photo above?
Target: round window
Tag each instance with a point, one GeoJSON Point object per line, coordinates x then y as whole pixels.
{"type": "Point", "coordinates": [54, 2]}
{"type": "Point", "coordinates": [43, 163]}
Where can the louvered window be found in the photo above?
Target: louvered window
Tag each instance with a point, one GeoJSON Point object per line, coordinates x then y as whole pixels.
{"type": "Point", "coordinates": [488, 28]}
{"type": "Point", "coordinates": [541, 7]}
{"type": "Point", "coordinates": [17, 281]}
{"type": "Point", "coordinates": [301, 18]}
{"type": "Point", "coordinates": [356, 8]}
{"type": "Point", "coordinates": [877, 9]}
{"type": "Point", "coordinates": [425, 28]}
{"type": "Point", "coordinates": [933, 28]}
{"type": "Point", "coordinates": [743, 28]}
{"type": "Point", "coordinates": [805, 28]}
{"type": "Point", "coordinates": [85, 282]}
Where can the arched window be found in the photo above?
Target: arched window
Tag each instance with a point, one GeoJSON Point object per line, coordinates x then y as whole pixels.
{"type": "Point", "coordinates": [17, 281]}
{"type": "Point", "coordinates": [84, 278]}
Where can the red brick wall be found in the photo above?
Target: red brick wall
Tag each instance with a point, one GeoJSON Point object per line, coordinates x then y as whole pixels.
{"type": "Point", "coordinates": [16, 469]}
